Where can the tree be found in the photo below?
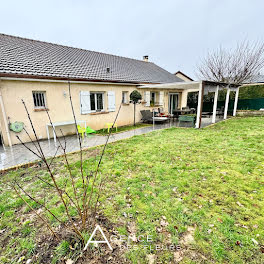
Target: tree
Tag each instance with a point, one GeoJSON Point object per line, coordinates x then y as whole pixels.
{"type": "Point", "coordinates": [135, 96]}
{"type": "Point", "coordinates": [233, 66]}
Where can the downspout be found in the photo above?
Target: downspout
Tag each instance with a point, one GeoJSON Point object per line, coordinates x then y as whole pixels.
{"type": "Point", "coordinates": [4, 117]}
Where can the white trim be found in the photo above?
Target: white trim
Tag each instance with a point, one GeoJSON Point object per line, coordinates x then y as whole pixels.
{"type": "Point", "coordinates": [197, 125]}
{"type": "Point", "coordinates": [226, 102]}
{"type": "Point", "coordinates": [126, 95]}
{"type": "Point", "coordinates": [147, 98]}
{"type": "Point", "coordinates": [161, 98]}
{"type": "Point", "coordinates": [95, 99]}
{"type": "Point", "coordinates": [169, 105]}
{"type": "Point", "coordinates": [85, 102]}
{"type": "Point", "coordinates": [111, 100]}
{"type": "Point", "coordinates": [236, 101]}
{"type": "Point", "coordinates": [215, 104]}
{"type": "Point", "coordinates": [5, 119]}
{"type": "Point", "coordinates": [44, 97]}
{"type": "Point", "coordinates": [65, 81]}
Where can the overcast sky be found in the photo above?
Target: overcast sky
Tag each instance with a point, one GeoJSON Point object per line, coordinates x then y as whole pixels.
{"type": "Point", "coordinates": [175, 34]}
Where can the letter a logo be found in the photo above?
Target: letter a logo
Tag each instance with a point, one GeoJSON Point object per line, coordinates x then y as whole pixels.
{"type": "Point", "coordinates": [105, 241]}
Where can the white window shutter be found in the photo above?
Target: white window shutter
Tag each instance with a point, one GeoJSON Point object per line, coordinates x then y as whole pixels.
{"type": "Point", "coordinates": [161, 98]}
{"type": "Point", "coordinates": [85, 102]}
{"type": "Point", "coordinates": [147, 98]}
{"type": "Point", "coordinates": [111, 101]}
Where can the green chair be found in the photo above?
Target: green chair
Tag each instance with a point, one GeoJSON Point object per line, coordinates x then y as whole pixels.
{"type": "Point", "coordinates": [89, 130]}
{"type": "Point", "coordinates": [81, 130]}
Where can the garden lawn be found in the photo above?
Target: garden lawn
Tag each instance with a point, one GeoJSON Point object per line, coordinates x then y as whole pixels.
{"type": "Point", "coordinates": [200, 189]}
{"type": "Point", "coordinates": [104, 131]}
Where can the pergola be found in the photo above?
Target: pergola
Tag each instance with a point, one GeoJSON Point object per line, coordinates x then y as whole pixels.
{"type": "Point", "coordinates": [203, 87]}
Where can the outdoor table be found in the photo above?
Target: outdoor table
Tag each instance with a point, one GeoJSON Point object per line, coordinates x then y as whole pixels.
{"type": "Point", "coordinates": [179, 112]}
{"type": "Point", "coordinates": [56, 124]}
{"type": "Point", "coordinates": [160, 119]}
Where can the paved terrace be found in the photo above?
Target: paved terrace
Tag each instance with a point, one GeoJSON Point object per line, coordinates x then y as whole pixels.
{"type": "Point", "coordinates": [18, 154]}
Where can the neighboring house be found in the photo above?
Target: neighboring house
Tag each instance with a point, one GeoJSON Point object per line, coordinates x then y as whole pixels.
{"type": "Point", "coordinates": [183, 76]}
{"type": "Point", "coordinates": [257, 79]}
{"type": "Point", "coordinates": [38, 72]}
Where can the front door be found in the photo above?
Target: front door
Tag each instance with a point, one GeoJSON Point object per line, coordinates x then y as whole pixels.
{"type": "Point", "coordinates": [173, 102]}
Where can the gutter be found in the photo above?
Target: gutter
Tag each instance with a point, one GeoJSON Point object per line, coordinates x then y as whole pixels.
{"type": "Point", "coordinates": [28, 77]}
{"type": "Point", "coordinates": [4, 117]}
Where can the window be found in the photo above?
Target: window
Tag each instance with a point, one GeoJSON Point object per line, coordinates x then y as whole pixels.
{"type": "Point", "coordinates": [152, 98]}
{"type": "Point", "coordinates": [125, 97]}
{"type": "Point", "coordinates": [39, 99]}
{"type": "Point", "coordinates": [97, 102]}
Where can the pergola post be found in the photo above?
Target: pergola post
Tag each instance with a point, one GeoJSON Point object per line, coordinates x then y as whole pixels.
{"type": "Point", "coordinates": [226, 102]}
{"type": "Point", "coordinates": [236, 101]}
{"type": "Point", "coordinates": [215, 104]}
{"type": "Point", "coordinates": [200, 105]}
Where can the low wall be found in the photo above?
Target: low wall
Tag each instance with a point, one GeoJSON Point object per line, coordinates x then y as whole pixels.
{"type": "Point", "coordinates": [250, 113]}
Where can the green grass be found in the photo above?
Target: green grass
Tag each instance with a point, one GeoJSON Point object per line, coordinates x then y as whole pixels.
{"type": "Point", "coordinates": [121, 129]}
{"type": "Point", "coordinates": [205, 183]}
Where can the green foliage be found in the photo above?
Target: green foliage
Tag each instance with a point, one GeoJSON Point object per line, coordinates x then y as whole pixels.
{"type": "Point", "coordinates": [135, 96]}
{"type": "Point", "coordinates": [121, 129]}
{"type": "Point", "coordinates": [208, 179]}
{"type": "Point", "coordinates": [61, 251]}
{"type": "Point", "coordinates": [251, 92]}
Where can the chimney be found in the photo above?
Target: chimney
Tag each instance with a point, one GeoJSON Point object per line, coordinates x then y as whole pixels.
{"type": "Point", "coordinates": [145, 58]}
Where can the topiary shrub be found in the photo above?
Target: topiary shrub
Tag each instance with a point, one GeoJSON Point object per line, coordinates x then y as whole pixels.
{"type": "Point", "coordinates": [135, 96]}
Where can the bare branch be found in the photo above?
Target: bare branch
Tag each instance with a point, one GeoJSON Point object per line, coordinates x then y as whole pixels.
{"type": "Point", "coordinates": [233, 66]}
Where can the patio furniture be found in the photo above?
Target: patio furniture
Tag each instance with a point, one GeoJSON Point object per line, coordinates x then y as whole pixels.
{"type": "Point", "coordinates": [220, 112]}
{"type": "Point", "coordinates": [160, 119]}
{"type": "Point", "coordinates": [57, 124]}
{"type": "Point", "coordinates": [81, 130]}
{"type": "Point", "coordinates": [109, 125]}
{"type": "Point", "coordinates": [193, 110]}
{"type": "Point", "coordinates": [185, 108]}
{"type": "Point", "coordinates": [181, 112]}
{"type": "Point", "coordinates": [206, 114]}
{"type": "Point", "coordinates": [187, 118]}
{"type": "Point", "coordinates": [89, 130]}
{"type": "Point", "coordinates": [146, 116]}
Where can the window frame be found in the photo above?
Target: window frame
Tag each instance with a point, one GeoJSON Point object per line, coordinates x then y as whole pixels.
{"type": "Point", "coordinates": [95, 102]}
{"type": "Point", "coordinates": [126, 101]}
{"type": "Point", "coordinates": [155, 98]}
{"type": "Point", "coordinates": [44, 99]}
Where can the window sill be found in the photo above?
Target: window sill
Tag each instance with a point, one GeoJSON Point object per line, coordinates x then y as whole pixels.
{"type": "Point", "coordinates": [125, 103]}
{"type": "Point", "coordinates": [99, 113]}
{"type": "Point", "coordinates": [40, 109]}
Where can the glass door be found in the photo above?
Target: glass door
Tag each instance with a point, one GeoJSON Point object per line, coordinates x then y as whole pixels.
{"type": "Point", "coordinates": [173, 102]}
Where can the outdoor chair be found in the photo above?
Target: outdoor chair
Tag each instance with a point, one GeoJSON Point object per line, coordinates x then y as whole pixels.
{"type": "Point", "coordinates": [89, 130]}
{"type": "Point", "coordinates": [109, 126]}
{"type": "Point", "coordinates": [187, 118]}
{"type": "Point", "coordinates": [185, 108]}
{"type": "Point", "coordinates": [81, 130]}
{"type": "Point", "coordinates": [220, 111]}
{"type": "Point", "coordinates": [146, 116]}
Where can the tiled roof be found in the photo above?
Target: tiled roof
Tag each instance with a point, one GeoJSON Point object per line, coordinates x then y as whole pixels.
{"type": "Point", "coordinates": [256, 79]}
{"type": "Point", "coordinates": [20, 56]}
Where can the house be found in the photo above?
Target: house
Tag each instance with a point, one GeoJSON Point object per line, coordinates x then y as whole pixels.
{"type": "Point", "coordinates": [255, 80]}
{"type": "Point", "coordinates": [39, 73]}
{"type": "Point", "coordinates": [183, 76]}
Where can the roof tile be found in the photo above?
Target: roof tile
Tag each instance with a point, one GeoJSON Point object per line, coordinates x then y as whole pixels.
{"type": "Point", "coordinates": [37, 58]}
